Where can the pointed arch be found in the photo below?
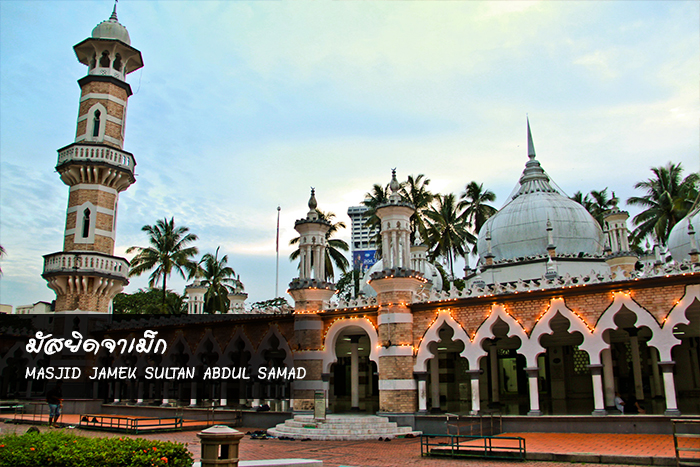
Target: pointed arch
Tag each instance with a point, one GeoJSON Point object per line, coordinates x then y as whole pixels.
{"type": "Point", "coordinates": [664, 338]}
{"type": "Point", "coordinates": [243, 337]}
{"type": "Point", "coordinates": [543, 326]}
{"type": "Point", "coordinates": [607, 321]}
{"type": "Point", "coordinates": [432, 335]}
{"type": "Point", "coordinates": [529, 348]}
{"type": "Point", "coordinates": [273, 330]}
{"type": "Point", "coordinates": [335, 330]}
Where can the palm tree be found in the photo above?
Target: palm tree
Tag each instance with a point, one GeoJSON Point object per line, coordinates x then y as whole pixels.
{"type": "Point", "coordinates": [220, 280]}
{"type": "Point", "coordinates": [597, 203]}
{"type": "Point", "coordinates": [447, 230]}
{"type": "Point", "coordinates": [475, 210]}
{"type": "Point", "coordinates": [169, 250]}
{"type": "Point", "coordinates": [415, 191]}
{"type": "Point", "coordinates": [2, 253]}
{"type": "Point", "coordinates": [334, 247]}
{"type": "Point", "coordinates": [668, 199]}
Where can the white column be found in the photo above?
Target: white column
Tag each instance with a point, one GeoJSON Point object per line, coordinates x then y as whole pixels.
{"type": "Point", "coordinates": [476, 397]}
{"type": "Point", "coordinates": [598, 398]}
{"type": "Point", "coordinates": [493, 360]}
{"type": "Point", "coordinates": [422, 392]}
{"type": "Point", "coordinates": [670, 389]}
{"type": "Point", "coordinates": [166, 390]}
{"type": "Point", "coordinates": [326, 378]}
{"type": "Point", "coordinates": [608, 378]}
{"type": "Point", "coordinates": [533, 375]}
{"type": "Point", "coordinates": [407, 250]}
{"type": "Point", "coordinates": [224, 389]}
{"type": "Point", "coordinates": [394, 249]}
{"type": "Point", "coordinates": [386, 250]}
{"type": "Point", "coordinates": [655, 376]}
{"type": "Point", "coordinates": [435, 383]}
{"type": "Point", "coordinates": [117, 391]}
{"type": "Point", "coordinates": [139, 393]}
{"type": "Point", "coordinates": [354, 375]}
{"type": "Point", "coordinates": [193, 393]}
{"type": "Point", "coordinates": [636, 367]}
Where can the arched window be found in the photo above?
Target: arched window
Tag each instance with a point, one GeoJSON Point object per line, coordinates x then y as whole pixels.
{"type": "Point", "coordinates": [104, 61]}
{"type": "Point", "coordinates": [117, 64]}
{"type": "Point", "coordinates": [86, 223]}
{"type": "Point", "coordinates": [96, 124]}
{"type": "Point", "coordinates": [93, 61]}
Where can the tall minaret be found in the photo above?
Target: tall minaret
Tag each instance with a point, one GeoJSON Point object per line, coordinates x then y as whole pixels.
{"type": "Point", "coordinates": [86, 275]}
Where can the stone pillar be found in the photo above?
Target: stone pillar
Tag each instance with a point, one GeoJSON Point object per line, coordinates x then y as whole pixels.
{"type": "Point", "coordinates": [476, 396]}
{"type": "Point", "coordinates": [326, 379]}
{"type": "Point", "coordinates": [608, 377]}
{"type": "Point", "coordinates": [397, 387]}
{"type": "Point", "coordinates": [193, 393]}
{"type": "Point", "coordinates": [139, 392]}
{"type": "Point", "coordinates": [435, 384]}
{"type": "Point", "coordinates": [422, 377]}
{"type": "Point", "coordinates": [533, 374]}
{"type": "Point", "coordinates": [166, 390]}
{"type": "Point", "coordinates": [308, 335]}
{"type": "Point", "coordinates": [493, 361]}
{"type": "Point", "coordinates": [354, 375]}
{"type": "Point", "coordinates": [670, 389]}
{"type": "Point", "coordinates": [636, 365]}
{"type": "Point", "coordinates": [117, 391]}
{"type": "Point", "coordinates": [224, 396]}
{"type": "Point", "coordinates": [655, 376]}
{"type": "Point", "coordinates": [598, 398]}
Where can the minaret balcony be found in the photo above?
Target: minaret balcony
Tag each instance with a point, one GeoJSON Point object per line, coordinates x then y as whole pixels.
{"type": "Point", "coordinates": [96, 163]}
{"type": "Point", "coordinates": [86, 264]}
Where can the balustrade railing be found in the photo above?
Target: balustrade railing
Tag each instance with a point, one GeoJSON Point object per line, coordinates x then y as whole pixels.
{"type": "Point", "coordinates": [97, 153]}
{"type": "Point", "coordinates": [86, 262]}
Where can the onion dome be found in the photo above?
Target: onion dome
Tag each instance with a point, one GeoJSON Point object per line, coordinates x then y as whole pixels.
{"type": "Point", "coordinates": [680, 240]}
{"type": "Point", "coordinates": [111, 29]}
{"type": "Point", "coordinates": [537, 218]}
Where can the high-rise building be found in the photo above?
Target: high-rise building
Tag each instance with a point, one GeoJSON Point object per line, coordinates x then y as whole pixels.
{"type": "Point", "coordinates": [86, 275]}
{"type": "Point", "coordinates": [362, 239]}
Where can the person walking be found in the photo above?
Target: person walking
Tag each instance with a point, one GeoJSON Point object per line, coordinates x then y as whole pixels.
{"type": "Point", "coordinates": [55, 400]}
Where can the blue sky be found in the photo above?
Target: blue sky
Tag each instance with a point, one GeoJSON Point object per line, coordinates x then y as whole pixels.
{"type": "Point", "coordinates": [242, 106]}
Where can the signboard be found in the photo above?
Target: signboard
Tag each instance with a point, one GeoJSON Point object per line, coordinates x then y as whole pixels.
{"type": "Point", "coordinates": [320, 405]}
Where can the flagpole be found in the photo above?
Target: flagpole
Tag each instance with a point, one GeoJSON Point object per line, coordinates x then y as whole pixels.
{"type": "Point", "coordinates": [277, 249]}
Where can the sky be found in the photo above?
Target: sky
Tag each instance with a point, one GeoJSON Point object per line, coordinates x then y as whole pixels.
{"type": "Point", "coordinates": [243, 106]}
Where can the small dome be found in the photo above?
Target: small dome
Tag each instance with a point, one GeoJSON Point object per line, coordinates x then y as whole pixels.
{"type": "Point", "coordinates": [111, 29]}
{"type": "Point", "coordinates": [679, 240]}
{"type": "Point", "coordinates": [431, 273]}
{"type": "Point", "coordinates": [519, 229]}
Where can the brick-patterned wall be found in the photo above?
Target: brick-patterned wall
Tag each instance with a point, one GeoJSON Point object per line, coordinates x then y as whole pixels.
{"type": "Point", "coordinates": [96, 197]}
{"type": "Point", "coordinates": [658, 300]}
{"type": "Point", "coordinates": [470, 317]}
{"type": "Point", "coordinates": [399, 401]}
{"type": "Point", "coordinates": [527, 311]}
{"type": "Point", "coordinates": [84, 302]}
{"type": "Point", "coordinates": [589, 306]}
{"type": "Point", "coordinates": [102, 87]}
{"type": "Point", "coordinates": [303, 399]}
{"type": "Point", "coordinates": [395, 367]}
{"type": "Point", "coordinates": [113, 109]}
{"type": "Point", "coordinates": [397, 333]}
{"type": "Point", "coordinates": [308, 339]}
{"type": "Point", "coordinates": [101, 244]}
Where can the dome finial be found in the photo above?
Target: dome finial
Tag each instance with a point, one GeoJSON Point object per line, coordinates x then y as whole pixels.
{"type": "Point", "coordinates": [530, 144]}
{"type": "Point", "coordinates": [312, 200]}
{"type": "Point", "coordinates": [394, 186]}
{"type": "Point", "coordinates": [114, 12]}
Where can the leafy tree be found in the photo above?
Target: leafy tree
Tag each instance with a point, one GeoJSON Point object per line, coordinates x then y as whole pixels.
{"type": "Point", "coordinates": [149, 301]}
{"type": "Point", "coordinates": [669, 197]}
{"type": "Point", "coordinates": [378, 196]}
{"type": "Point", "coordinates": [278, 305]}
{"type": "Point", "coordinates": [334, 247]}
{"type": "Point", "coordinates": [219, 279]}
{"type": "Point", "coordinates": [475, 208]}
{"type": "Point", "coordinates": [597, 203]}
{"type": "Point", "coordinates": [447, 230]}
{"type": "Point", "coordinates": [169, 251]}
{"type": "Point", "coordinates": [415, 191]}
{"type": "Point", "coordinates": [349, 284]}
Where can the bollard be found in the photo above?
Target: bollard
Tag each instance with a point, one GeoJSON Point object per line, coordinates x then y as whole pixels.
{"type": "Point", "coordinates": [220, 446]}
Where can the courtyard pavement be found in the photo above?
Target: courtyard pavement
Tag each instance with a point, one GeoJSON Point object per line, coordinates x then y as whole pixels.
{"type": "Point", "coordinates": [544, 449]}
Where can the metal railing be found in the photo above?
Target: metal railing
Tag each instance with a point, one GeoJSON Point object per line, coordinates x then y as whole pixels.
{"type": "Point", "coordinates": [686, 429]}
{"type": "Point", "coordinates": [490, 447]}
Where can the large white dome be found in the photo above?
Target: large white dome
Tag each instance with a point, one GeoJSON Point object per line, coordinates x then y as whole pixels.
{"type": "Point", "coordinates": [679, 240]}
{"type": "Point", "coordinates": [519, 229]}
{"type": "Point", "coordinates": [112, 29]}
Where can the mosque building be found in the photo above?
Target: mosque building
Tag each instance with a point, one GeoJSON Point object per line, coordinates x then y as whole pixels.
{"type": "Point", "coordinates": [556, 319]}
